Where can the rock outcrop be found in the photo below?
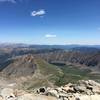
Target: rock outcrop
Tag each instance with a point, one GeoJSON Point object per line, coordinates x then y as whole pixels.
{"type": "Point", "coordinates": [83, 90]}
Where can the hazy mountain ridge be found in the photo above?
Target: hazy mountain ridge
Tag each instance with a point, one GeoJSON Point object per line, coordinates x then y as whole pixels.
{"type": "Point", "coordinates": [38, 46]}
{"type": "Point", "coordinates": [88, 58]}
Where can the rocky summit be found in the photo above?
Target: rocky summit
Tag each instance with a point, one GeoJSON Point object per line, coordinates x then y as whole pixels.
{"type": "Point", "coordinates": [83, 90]}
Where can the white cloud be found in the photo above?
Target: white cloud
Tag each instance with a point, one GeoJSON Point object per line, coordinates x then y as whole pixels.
{"type": "Point", "coordinates": [12, 1]}
{"type": "Point", "coordinates": [40, 12]}
{"type": "Point", "coordinates": [50, 35]}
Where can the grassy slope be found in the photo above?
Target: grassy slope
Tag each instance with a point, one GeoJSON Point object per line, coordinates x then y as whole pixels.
{"type": "Point", "coordinates": [48, 69]}
{"type": "Point", "coordinates": [46, 75]}
{"type": "Point", "coordinates": [73, 74]}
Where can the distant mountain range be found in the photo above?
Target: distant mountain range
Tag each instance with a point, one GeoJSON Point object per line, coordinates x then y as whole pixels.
{"type": "Point", "coordinates": [16, 45]}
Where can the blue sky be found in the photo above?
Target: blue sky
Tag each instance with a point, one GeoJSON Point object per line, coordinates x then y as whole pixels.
{"type": "Point", "coordinates": [50, 21]}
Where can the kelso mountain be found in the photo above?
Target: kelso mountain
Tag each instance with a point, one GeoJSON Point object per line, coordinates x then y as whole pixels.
{"type": "Point", "coordinates": [29, 67]}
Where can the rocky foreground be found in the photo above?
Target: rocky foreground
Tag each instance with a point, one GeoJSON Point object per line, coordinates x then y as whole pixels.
{"type": "Point", "coordinates": [83, 90]}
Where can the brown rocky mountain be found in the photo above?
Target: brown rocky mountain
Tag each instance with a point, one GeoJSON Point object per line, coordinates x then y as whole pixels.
{"type": "Point", "coordinates": [32, 70]}
{"type": "Point", "coordinates": [20, 66]}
